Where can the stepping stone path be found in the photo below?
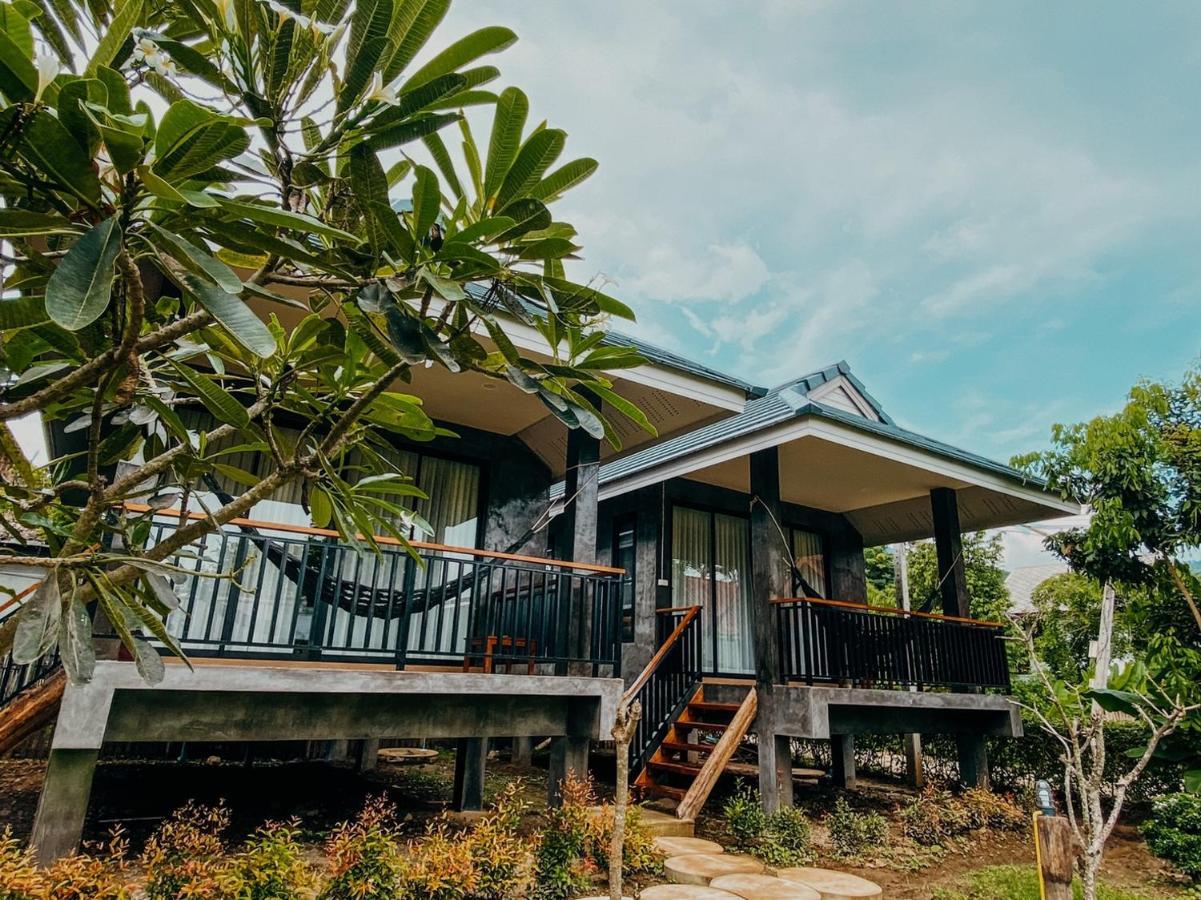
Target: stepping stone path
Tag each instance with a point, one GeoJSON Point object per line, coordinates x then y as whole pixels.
{"type": "Point", "coordinates": [764, 887]}
{"type": "Point", "coordinates": [831, 885]}
{"type": "Point", "coordinates": [683, 846]}
{"type": "Point", "coordinates": [685, 892]}
{"type": "Point", "coordinates": [701, 868]}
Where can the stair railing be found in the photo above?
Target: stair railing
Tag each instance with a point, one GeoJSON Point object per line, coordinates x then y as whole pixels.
{"type": "Point", "coordinates": [666, 684]}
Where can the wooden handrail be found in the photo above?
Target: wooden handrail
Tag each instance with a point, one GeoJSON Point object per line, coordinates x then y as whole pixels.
{"type": "Point", "coordinates": [887, 610]}
{"type": "Point", "coordinates": [691, 612]}
{"type": "Point", "coordinates": [16, 599]}
{"type": "Point", "coordinates": [388, 540]}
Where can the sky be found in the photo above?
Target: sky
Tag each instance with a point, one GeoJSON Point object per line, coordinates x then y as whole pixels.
{"type": "Point", "coordinates": [991, 211]}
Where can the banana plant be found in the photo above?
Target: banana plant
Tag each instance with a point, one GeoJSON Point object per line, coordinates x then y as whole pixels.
{"type": "Point", "coordinates": [178, 180]}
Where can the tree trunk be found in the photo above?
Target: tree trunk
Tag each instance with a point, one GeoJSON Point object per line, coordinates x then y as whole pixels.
{"type": "Point", "coordinates": [624, 724]}
{"type": "Point", "coordinates": [1090, 865]}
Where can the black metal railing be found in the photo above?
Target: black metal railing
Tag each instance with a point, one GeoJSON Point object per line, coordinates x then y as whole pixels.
{"type": "Point", "coordinates": [667, 682]}
{"type": "Point", "coordinates": [831, 642]}
{"type": "Point", "coordinates": [16, 678]}
{"type": "Point", "coordinates": [262, 592]}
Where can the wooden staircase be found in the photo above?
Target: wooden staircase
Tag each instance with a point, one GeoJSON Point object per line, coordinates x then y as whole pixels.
{"type": "Point", "coordinates": [32, 709]}
{"type": "Point", "coordinates": [698, 745]}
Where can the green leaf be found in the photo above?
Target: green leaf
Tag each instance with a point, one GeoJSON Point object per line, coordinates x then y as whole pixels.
{"type": "Point", "coordinates": [71, 113]}
{"type": "Point", "coordinates": [507, 125]}
{"type": "Point", "coordinates": [320, 508]}
{"type": "Point", "coordinates": [604, 302]}
{"type": "Point", "coordinates": [223, 405]}
{"type": "Point", "coordinates": [37, 623]}
{"type": "Point", "coordinates": [75, 642]}
{"type": "Point", "coordinates": [527, 214]}
{"type": "Point", "coordinates": [199, 260]}
{"type": "Point", "coordinates": [412, 24]}
{"type": "Point", "coordinates": [21, 312]}
{"type": "Point", "coordinates": [366, 44]}
{"type": "Point", "coordinates": [200, 148]}
{"type": "Point", "coordinates": [437, 149]}
{"type": "Point", "coordinates": [47, 145]}
{"type": "Point", "coordinates": [370, 187]}
{"type": "Point", "coordinates": [128, 15]}
{"type": "Point", "coordinates": [467, 49]}
{"type": "Point", "coordinates": [272, 215]}
{"type": "Point", "coordinates": [80, 288]}
{"type": "Point", "coordinates": [1114, 701]}
{"type": "Point", "coordinates": [148, 661]}
{"type": "Point", "coordinates": [26, 223]}
{"type": "Point", "coordinates": [624, 406]}
{"type": "Point", "coordinates": [410, 130]}
{"type": "Point", "coordinates": [234, 315]}
{"type": "Point", "coordinates": [563, 179]}
{"type": "Point", "coordinates": [427, 200]}
{"type": "Point", "coordinates": [18, 77]}
{"type": "Point", "coordinates": [160, 187]}
{"type": "Point", "coordinates": [535, 157]}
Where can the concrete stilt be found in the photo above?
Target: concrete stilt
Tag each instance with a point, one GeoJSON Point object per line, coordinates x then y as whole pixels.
{"type": "Point", "coordinates": [915, 769]}
{"type": "Point", "coordinates": [775, 771]}
{"type": "Point", "coordinates": [470, 762]}
{"type": "Point", "coordinates": [568, 755]}
{"type": "Point", "coordinates": [973, 760]}
{"type": "Point", "coordinates": [842, 757]}
{"type": "Point", "coordinates": [63, 806]}
{"type": "Point", "coordinates": [367, 754]}
{"type": "Point", "coordinates": [523, 752]}
{"type": "Point", "coordinates": [337, 751]}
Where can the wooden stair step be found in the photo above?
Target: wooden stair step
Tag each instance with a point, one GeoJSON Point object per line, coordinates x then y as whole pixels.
{"type": "Point", "coordinates": [709, 706]}
{"type": "Point", "coordinates": [685, 747]}
{"type": "Point", "coordinates": [674, 767]}
{"type": "Point", "coordinates": [665, 790]}
{"type": "Point", "coordinates": [703, 726]}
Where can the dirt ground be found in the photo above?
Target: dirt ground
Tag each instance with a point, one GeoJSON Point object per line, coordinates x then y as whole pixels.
{"type": "Point", "coordinates": [137, 795]}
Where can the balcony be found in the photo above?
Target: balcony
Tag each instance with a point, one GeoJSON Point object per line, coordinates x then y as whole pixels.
{"type": "Point", "coordinates": [831, 642]}
{"type": "Point", "coordinates": [299, 593]}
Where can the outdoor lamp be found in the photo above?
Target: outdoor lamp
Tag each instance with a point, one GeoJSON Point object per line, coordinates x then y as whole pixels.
{"type": "Point", "coordinates": [1046, 802]}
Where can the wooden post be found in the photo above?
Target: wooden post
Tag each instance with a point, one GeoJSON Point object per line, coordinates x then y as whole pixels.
{"type": "Point", "coordinates": [770, 559]}
{"type": "Point", "coordinates": [1056, 854]}
{"type": "Point", "coordinates": [471, 759]}
{"type": "Point", "coordinates": [579, 524]}
{"type": "Point", "coordinates": [948, 544]}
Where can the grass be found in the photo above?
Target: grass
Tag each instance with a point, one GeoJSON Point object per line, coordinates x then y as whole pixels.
{"type": "Point", "coordinates": [1018, 883]}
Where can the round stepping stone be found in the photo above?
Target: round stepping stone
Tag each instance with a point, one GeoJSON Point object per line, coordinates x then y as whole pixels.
{"type": "Point", "coordinates": [685, 892]}
{"type": "Point", "coordinates": [701, 868]}
{"type": "Point", "coordinates": [832, 885]}
{"type": "Point", "coordinates": [407, 755]}
{"type": "Point", "coordinates": [682, 846]}
{"type": "Point", "coordinates": [764, 887]}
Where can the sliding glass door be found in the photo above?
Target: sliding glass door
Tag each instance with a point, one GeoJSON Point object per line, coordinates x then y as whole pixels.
{"type": "Point", "coordinates": [711, 568]}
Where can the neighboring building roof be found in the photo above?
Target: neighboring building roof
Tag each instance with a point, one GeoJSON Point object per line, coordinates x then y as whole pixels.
{"type": "Point", "coordinates": [1024, 581]}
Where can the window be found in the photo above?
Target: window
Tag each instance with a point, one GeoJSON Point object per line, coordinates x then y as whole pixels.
{"type": "Point", "coordinates": [625, 556]}
{"type": "Point", "coordinates": [711, 568]}
{"type": "Point", "coordinates": [809, 578]}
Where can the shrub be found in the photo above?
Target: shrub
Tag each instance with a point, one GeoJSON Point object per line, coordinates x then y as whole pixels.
{"type": "Point", "coordinates": [438, 867]}
{"type": "Point", "coordinates": [364, 855]}
{"type": "Point", "coordinates": [853, 832]}
{"type": "Point", "coordinates": [639, 856]}
{"type": "Point", "coordinates": [935, 817]}
{"type": "Point", "coordinates": [19, 875]}
{"type": "Point", "coordinates": [744, 815]}
{"type": "Point", "coordinates": [780, 839]}
{"type": "Point", "coordinates": [1173, 831]}
{"type": "Point", "coordinates": [271, 865]}
{"type": "Point", "coordinates": [100, 875]}
{"type": "Point", "coordinates": [185, 857]}
{"type": "Point", "coordinates": [500, 856]}
{"type": "Point", "coordinates": [561, 866]}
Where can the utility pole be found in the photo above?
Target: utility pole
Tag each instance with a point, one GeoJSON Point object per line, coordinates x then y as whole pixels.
{"type": "Point", "coordinates": [914, 766]}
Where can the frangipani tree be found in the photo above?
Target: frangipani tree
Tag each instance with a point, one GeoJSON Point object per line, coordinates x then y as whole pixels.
{"type": "Point", "coordinates": [181, 178]}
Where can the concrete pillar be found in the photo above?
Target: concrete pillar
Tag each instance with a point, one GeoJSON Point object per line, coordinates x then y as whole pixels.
{"type": "Point", "coordinates": [568, 755]}
{"type": "Point", "coordinates": [842, 759]}
{"type": "Point", "coordinates": [579, 529]}
{"type": "Point", "coordinates": [948, 545]}
{"type": "Point", "coordinates": [367, 754]}
{"type": "Point", "coordinates": [523, 752]}
{"type": "Point", "coordinates": [775, 771]}
{"type": "Point", "coordinates": [973, 760]}
{"type": "Point", "coordinates": [915, 768]}
{"type": "Point", "coordinates": [770, 568]}
{"type": "Point", "coordinates": [471, 758]}
{"type": "Point", "coordinates": [337, 751]}
{"type": "Point", "coordinates": [63, 805]}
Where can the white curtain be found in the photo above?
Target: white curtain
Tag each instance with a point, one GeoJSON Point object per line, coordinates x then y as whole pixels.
{"type": "Point", "coordinates": [691, 569]}
{"type": "Point", "coordinates": [732, 577]}
{"type": "Point", "coordinates": [809, 553]}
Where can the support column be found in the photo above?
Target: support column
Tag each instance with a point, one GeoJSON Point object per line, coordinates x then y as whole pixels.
{"type": "Point", "coordinates": [842, 758]}
{"type": "Point", "coordinates": [523, 752]}
{"type": "Point", "coordinates": [568, 756]}
{"type": "Point", "coordinates": [948, 544]}
{"type": "Point", "coordinates": [63, 805]}
{"type": "Point", "coordinates": [471, 759]}
{"type": "Point", "coordinates": [775, 771]}
{"type": "Point", "coordinates": [915, 768]}
{"type": "Point", "coordinates": [973, 760]}
{"type": "Point", "coordinates": [579, 524]}
{"type": "Point", "coordinates": [337, 751]}
{"type": "Point", "coordinates": [367, 754]}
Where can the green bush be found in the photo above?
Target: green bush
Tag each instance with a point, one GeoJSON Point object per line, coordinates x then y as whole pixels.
{"type": "Point", "coordinates": [185, 857]}
{"type": "Point", "coordinates": [561, 864]}
{"type": "Point", "coordinates": [934, 816]}
{"type": "Point", "coordinates": [780, 839]}
{"type": "Point", "coordinates": [271, 865]}
{"type": "Point", "coordinates": [19, 875]}
{"type": "Point", "coordinates": [853, 832]}
{"type": "Point", "coordinates": [1174, 831]}
{"type": "Point", "coordinates": [365, 855]}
